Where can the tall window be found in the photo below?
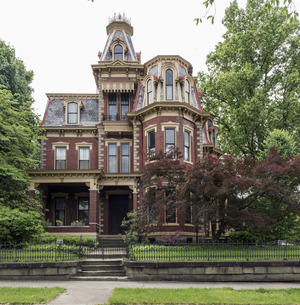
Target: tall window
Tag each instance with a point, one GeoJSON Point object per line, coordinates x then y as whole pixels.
{"type": "Point", "coordinates": [150, 91]}
{"type": "Point", "coordinates": [187, 91]}
{"type": "Point", "coordinates": [84, 158]}
{"type": "Point", "coordinates": [214, 137]}
{"type": "Point", "coordinates": [125, 158]}
{"type": "Point", "coordinates": [170, 141]}
{"type": "Point", "coordinates": [170, 209]}
{"type": "Point", "coordinates": [60, 205]}
{"type": "Point", "coordinates": [60, 157]}
{"type": "Point", "coordinates": [124, 105]}
{"type": "Point", "coordinates": [188, 213]}
{"type": "Point", "coordinates": [112, 158]}
{"type": "Point", "coordinates": [83, 209]}
{"type": "Point", "coordinates": [151, 143]}
{"type": "Point", "coordinates": [169, 84]}
{"type": "Point", "coordinates": [72, 113]}
{"type": "Point", "coordinates": [112, 107]}
{"type": "Point", "coordinates": [118, 52]}
{"type": "Point", "coordinates": [186, 146]}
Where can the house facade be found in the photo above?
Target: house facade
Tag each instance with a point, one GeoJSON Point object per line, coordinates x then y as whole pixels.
{"type": "Point", "coordinates": [96, 145]}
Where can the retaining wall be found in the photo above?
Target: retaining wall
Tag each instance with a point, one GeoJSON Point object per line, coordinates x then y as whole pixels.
{"type": "Point", "coordinates": [258, 271]}
{"type": "Point", "coordinates": [38, 270]}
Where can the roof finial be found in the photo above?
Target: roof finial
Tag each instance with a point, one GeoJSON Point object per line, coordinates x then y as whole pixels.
{"type": "Point", "coordinates": [119, 17]}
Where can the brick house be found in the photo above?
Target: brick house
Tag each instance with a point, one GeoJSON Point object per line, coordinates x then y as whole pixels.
{"type": "Point", "coordinates": [95, 145]}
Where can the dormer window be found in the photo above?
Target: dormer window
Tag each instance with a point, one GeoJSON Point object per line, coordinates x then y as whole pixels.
{"type": "Point", "coordinates": [118, 52]}
{"type": "Point", "coordinates": [169, 84]}
{"type": "Point", "coordinates": [72, 113]}
{"type": "Point", "coordinates": [150, 91]}
{"type": "Point", "coordinates": [187, 91]}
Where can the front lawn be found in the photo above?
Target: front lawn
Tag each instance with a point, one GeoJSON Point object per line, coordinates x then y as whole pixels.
{"type": "Point", "coordinates": [205, 296]}
{"type": "Point", "coordinates": [26, 295]}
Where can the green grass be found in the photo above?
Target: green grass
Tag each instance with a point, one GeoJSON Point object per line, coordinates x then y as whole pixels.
{"type": "Point", "coordinates": [26, 295]}
{"type": "Point", "coordinates": [204, 296]}
{"type": "Point", "coordinates": [221, 252]}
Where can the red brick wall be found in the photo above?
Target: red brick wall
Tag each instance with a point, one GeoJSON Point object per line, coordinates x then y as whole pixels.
{"type": "Point", "coordinates": [72, 153]}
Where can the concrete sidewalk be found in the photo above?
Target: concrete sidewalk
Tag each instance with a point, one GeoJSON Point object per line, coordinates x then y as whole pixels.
{"type": "Point", "coordinates": [91, 293]}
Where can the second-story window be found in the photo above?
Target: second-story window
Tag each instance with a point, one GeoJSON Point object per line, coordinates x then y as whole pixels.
{"type": "Point", "coordinates": [150, 91]}
{"type": "Point", "coordinates": [60, 157]}
{"type": "Point", "coordinates": [187, 91]}
{"type": "Point", "coordinates": [170, 142]}
{"type": "Point", "coordinates": [169, 84]}
{"type": "Point", "coordinates": [124, 105]}
{"type": "Point", "coordinates": [84, 158]}
{"type": "Point", "coordinates": [112, 107]}
{"type": "Point", "coordinates": [151, 143]}
{"type": "Point", "coordinates": [118, 52]}
{"type": "Point", "coordinates": [214, 137]}
{"type": "Point", "coordinates": [72, 113]}
{"type": "Point", "coordinates": [186, 146]}
{"type": "Point", "coordinates": [112, 158]}
{"type": "Point", "coordinates": [125, 158]}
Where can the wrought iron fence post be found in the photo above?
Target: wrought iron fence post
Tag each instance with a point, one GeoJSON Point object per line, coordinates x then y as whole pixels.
{"type": "Point", "coordinates": [102, 248]}
{"type": "Point", "coordinates": [80, 254]}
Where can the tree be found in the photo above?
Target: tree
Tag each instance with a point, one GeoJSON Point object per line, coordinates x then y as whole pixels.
{"type": "Point", "coordinates": [289, 9]}
{"type": "Point", "coordinates": [244, 194]}
{"type": "Point", "coordinates": [253, 80]}
{"type": "Point", "coordinates": [283, 141]}
{"type": "Point", "coordinates": [19, 148]}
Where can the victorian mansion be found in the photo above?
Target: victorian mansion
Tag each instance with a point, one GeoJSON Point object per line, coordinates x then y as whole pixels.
{"type": "Point", "coordinates": [95, 145]}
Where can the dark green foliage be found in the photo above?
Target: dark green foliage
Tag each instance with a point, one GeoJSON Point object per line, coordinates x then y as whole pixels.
{"type": "Point", "coordinates": [253, 80]}
{"type": "Point", "coordinates": [19, 150]}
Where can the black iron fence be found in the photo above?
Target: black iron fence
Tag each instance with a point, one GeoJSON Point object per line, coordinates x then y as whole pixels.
{"type": "Point", "coordinates": [104, 248]}
{"type": "Point", "coordinates": [208, 250]}
{"type": "Point", "coordinates": [59, 251]}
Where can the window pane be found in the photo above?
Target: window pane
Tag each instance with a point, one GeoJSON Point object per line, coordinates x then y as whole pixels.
{"type": "Point", "coordinates": [125, 158]}
{"type": "Point", "coordinates": [60, 153]}
{"type": "Point", "coordinates": [112, 158]}
{"type": "Point", "coordinates": [169, 77]}
{"type": "Point", "coordinates": [169, 92]}
{"type": "Point", "coordinates": [83, 209]}
{"type": "Point", "coordinates": [60, 204]}
{"type": "Point", "coordinates": [170, 136]}
{"type": "Point", "coordinates": [187, 91]}
{"type": "Point", "coordinates": [149, 91]}
{"type": "Point", "coordinates": [118, 52]}
{"type": "Point", "coordinates": [72, 113]}
{"type": "Point", "coordinates": [112, 149]}
{"type": "Point", "coordinates": [84, 153]}
{"type": "Point", "coordinates": [186, 139]}
{"type": "Point", "coordinates": [151, 139]}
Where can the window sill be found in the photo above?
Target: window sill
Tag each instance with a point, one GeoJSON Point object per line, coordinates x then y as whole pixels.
{"type": "Point", "coordinates": [189, 162]}
{"type": "Point", "coordinates": [171, 224]}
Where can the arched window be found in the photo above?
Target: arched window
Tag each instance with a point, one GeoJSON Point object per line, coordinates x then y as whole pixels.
{"type": "Point", "coordinates": [210, 123]}
{"type": "Point", "coordinates": [150, 91]}
{"type": "Point", "coordinates": [118, 52]}
{"type": "Point", "coordinates": [169, 84]}
{"type": "Point", "coordinates": [187, 91]}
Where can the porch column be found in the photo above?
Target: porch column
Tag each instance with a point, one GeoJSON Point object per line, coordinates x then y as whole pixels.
{"type": "Point", "coordinates": [134, 200]}
{"type": "Point", "coordinates": [94, 210]}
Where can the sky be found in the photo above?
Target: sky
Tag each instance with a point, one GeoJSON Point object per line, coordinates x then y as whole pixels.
{"type": "Point", "coordinates": [59, 40]}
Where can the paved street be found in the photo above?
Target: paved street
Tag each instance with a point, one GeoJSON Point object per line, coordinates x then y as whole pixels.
{"type": "Point", "coordinates": [91, 293]}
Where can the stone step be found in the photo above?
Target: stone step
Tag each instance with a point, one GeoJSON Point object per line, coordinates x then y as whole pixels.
{"type": "Point", "coordinates": [99, 278]}
{"type": "Point", "coordinates": [101, 273]}
{"type": "Point", "coordinates": [111, 262]}
{"type": "Point", "coordinates": [101, 267]}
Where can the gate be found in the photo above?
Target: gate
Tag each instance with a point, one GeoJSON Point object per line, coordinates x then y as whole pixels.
{"type": "Point", "coordinates": [107, 248]}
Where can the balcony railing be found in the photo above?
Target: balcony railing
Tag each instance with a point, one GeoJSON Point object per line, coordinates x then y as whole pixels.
{"type": "Point", "coordinates": [116, 117]}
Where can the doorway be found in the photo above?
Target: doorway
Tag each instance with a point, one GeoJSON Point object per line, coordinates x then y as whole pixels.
{"type": "Point", "coordinates": [118, 209]}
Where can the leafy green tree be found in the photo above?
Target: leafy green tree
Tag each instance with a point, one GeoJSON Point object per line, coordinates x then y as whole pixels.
{"type": "Point", "coordinates": [253, 80]}
{"type": "Point", "coordinates": [289, 9]}
{"type": "Point", "coordinates": [283, 141]}
{"type": "Point", "coordinates": [19, 149]}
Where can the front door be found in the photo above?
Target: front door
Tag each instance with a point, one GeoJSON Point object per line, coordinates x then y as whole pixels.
{"type": "Point", "coordinates": [118, 209]}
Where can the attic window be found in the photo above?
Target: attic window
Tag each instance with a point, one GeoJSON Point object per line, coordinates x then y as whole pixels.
{"type": "Point", "coordinates": [72, 113]}
{"type": "Point", "coordinates": [118, 52]}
